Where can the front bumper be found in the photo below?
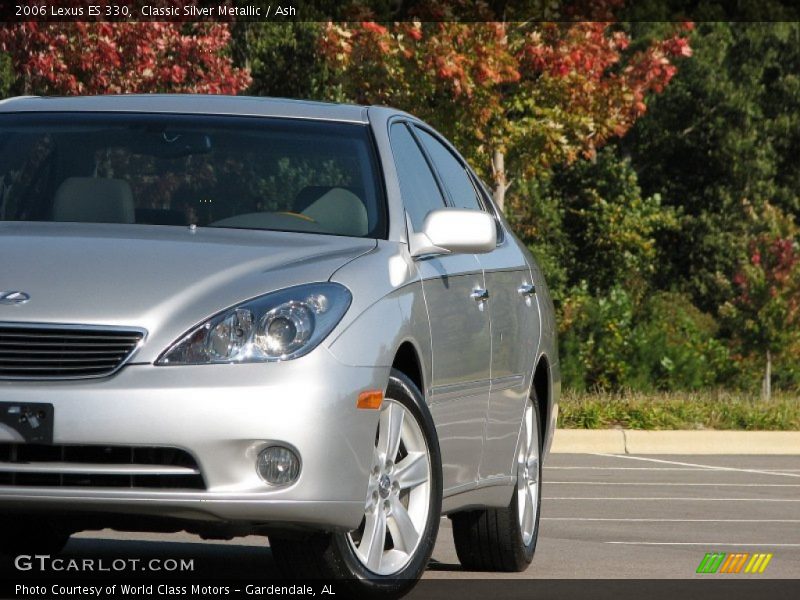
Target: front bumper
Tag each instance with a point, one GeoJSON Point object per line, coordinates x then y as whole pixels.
{"type": "Point", "coordinates": [222, 415]}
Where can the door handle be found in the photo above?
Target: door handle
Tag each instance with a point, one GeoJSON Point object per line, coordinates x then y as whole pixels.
{"type": "Point", "coordinates": [526, 289]}
{"type": "Point", "coordinates": [479, 295]}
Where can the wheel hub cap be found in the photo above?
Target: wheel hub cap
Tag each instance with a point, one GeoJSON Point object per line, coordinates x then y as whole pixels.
{"type": "Point", "coordinates": [398, 494]}
{"type": "Point", "coordinates": [384, 486]}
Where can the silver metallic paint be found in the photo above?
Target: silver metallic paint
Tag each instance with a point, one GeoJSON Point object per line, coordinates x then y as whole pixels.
{"type": "Point", "coordinates": [167, 279]}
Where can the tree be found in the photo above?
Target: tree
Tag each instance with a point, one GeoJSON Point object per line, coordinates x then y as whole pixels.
{"type": "Point", "coordinates": [282, 58]}
{"type": "Point", "coordinates": [764, 313]}
{"type": "Point", "coordinates": [108, 58]}
{"type": "Point", "coordinates": [6, 75]}
{"type": "Point", "coordinates": [610, 226]}
{"type": "Point", "coordinates": [726, 130]}
{"type": "Point", "coordinates": [518, 97]}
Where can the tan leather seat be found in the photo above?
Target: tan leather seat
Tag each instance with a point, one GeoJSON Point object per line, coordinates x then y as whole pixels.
{"type": "Point", "coordinates": [339, 211]}
{"type": "Point", "coordinates": [94, 200]}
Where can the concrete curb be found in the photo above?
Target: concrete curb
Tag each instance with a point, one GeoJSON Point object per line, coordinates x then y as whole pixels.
{"type": "Point", "coordinates": [635, 441]}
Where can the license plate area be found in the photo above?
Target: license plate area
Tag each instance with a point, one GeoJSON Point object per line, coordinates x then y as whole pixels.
{"type": "Point", "coordinates": [32, 421]}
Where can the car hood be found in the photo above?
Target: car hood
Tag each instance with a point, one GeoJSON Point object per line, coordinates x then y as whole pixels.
{"type": "Point", "coordinates": [162, 279]}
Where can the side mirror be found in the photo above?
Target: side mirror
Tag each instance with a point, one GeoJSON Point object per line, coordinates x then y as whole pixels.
{"type": "Point", "coordinates": [454, 231]}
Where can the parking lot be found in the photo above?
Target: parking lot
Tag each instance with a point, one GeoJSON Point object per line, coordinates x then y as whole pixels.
{"type": "Point", "coordinates": [603, 516]}
{"type": "Point", "coordinates": [622, 516]}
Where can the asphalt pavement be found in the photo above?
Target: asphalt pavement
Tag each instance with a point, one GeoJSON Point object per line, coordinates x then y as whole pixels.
{"type": "Point", "coordinates": [623, 516]}
{"type": "Point", "coordinates": [603, 516]}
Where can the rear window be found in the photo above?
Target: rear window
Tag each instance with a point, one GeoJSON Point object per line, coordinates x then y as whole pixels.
{"type": "Point", "coordinates": [175, 170]}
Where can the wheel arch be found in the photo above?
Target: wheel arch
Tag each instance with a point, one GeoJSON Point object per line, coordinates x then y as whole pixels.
{"type": "Point", "coordinates": [542, 391]}
{"type": "Point", "coordinates": [407, 361]}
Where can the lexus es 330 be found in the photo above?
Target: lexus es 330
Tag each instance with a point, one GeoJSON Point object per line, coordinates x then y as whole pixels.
{"type": "Point", "coordinates": [243, 315]}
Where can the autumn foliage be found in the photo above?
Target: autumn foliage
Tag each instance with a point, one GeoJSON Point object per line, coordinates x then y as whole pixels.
{"type": "Point", "coordinates": [764, 311]}
{"type": "Point", "coordinates": [112, 58]}
{"type": "Point", "coordinates": [660, 279]}
{"type": "Point", "coordinates": [540, 93]}
{"type": "Point", "coordinates": [766, 302]}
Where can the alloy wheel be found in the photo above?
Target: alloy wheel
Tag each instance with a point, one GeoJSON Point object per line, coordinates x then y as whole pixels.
{"type": "Point", "coordinates": [398, 493]}
{"type": "Point", "coordinates": [528, 475]}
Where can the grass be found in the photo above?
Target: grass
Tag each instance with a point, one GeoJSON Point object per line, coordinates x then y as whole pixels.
{"type": "Point", "coordinates": [678, 410]}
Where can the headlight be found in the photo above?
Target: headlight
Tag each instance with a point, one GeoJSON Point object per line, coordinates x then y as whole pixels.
{"type": "Point", "coordinates": [279, 326]}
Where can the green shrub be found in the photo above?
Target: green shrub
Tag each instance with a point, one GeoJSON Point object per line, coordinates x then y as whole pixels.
{"type": "Point", "coordinates": [664, 342]}
{"type": "Point", "coordinates": [597, 339]}
{"type": "Point", "coordinates": [677, 348]}
{"type": "Point", "coordinates": [678, 410]}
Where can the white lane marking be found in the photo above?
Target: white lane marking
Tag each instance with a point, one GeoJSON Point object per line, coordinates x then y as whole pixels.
{"type": "Point", "coordinates": [710, 467]}
{"type": "Point", "coordinates": [771, 471]}
{"type": "Point", "coordinates": [628, 468]}
{"type": "Point", "coordinates": [671, 520]}
{"type": "Point", "coordinates": [673, 499]}
{"type": "Point", "coordinates": [676, 483]}
{"type": "Point", "coordinates": [710, 544]}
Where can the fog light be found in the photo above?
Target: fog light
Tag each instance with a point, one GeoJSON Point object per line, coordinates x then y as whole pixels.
{"type": "Point", "coordinates": [278, 465]}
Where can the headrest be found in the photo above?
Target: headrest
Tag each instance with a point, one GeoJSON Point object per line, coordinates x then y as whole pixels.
{"type": "Point", "coordinates": [94, 200]}
{"type": "Point", "coordinates": [309, 194]}
{"type": "Point", "coordinates": [339, 211]}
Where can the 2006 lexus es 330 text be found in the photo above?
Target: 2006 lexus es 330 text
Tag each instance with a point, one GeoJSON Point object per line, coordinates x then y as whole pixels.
{"type": "Point", "coordinates": [239, 315]}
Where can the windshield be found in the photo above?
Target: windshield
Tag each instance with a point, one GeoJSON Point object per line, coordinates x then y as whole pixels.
{"type": "Point", "coordinates": [176, 170]}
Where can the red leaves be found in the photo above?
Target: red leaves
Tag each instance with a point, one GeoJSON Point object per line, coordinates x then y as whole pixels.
{"type": "Point", "coordinates": [415, 33]}
{"type": "Point", "coordinates": [107, 58]}
{"type": "Point", "coordinates": [374, 27]}
{"type": "Point", "coordinates": [677, 46]}
{"type": "Point", "coordinates": [764, 311]}
{"type": "Point", "coordinates": [774, 270]}
{"type": "Point", "coordinates": [784, 257]}
{"type": "Point", "coordinates": [588, 63]}
{"type": "Point", "coordinates": [544, 92]}
{"type": "Point", "coordinates": [459, 60]}
{"type": "Point", "coordinates": [581, 49]}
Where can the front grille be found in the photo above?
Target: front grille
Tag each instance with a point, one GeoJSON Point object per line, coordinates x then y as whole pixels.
{"type": "Point", "coordinates": [37, 465]}
{"type": "Point", "coordinates": [48, 352]}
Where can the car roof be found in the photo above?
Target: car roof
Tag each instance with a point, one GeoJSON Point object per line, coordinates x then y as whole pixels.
{"type": "Point", "coordinates": [190, 104]}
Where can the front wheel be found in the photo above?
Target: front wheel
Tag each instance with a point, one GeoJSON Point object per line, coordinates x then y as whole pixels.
{"type": "Point", "coordinates": [390, 549]}
{"type": "Point", "coordinates": [504, 539]}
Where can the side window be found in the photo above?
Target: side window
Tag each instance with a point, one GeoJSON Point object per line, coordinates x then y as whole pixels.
{"type": "Point", "coordinates": [483, 191]}
{"type": "Point", "coordinates": [420, 192]}
{"type": "Point", "coordinates": [455, 178]}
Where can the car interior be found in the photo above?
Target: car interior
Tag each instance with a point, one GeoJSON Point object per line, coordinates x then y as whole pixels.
{"type": "Point", "coordinates": [179, 178]}
{"type": "Point", "coordinates": [100, 200]}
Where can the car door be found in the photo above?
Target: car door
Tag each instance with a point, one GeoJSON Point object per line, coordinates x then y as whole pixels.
{"type": "Point", "coordinates": [513, 311]}
{"type": "Point", "coordinates": [460, 326]}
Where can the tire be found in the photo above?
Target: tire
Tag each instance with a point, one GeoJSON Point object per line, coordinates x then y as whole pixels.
{"type": "Point", "coordinates": [494, 539]}
{"type": "Point", "coordinates": [404, 500]}
{"type": "Point", "coordinates": [29, 535]}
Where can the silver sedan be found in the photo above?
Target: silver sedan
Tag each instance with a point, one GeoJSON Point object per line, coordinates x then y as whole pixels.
{"type": "Point", "coordinates": [244, 315]}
